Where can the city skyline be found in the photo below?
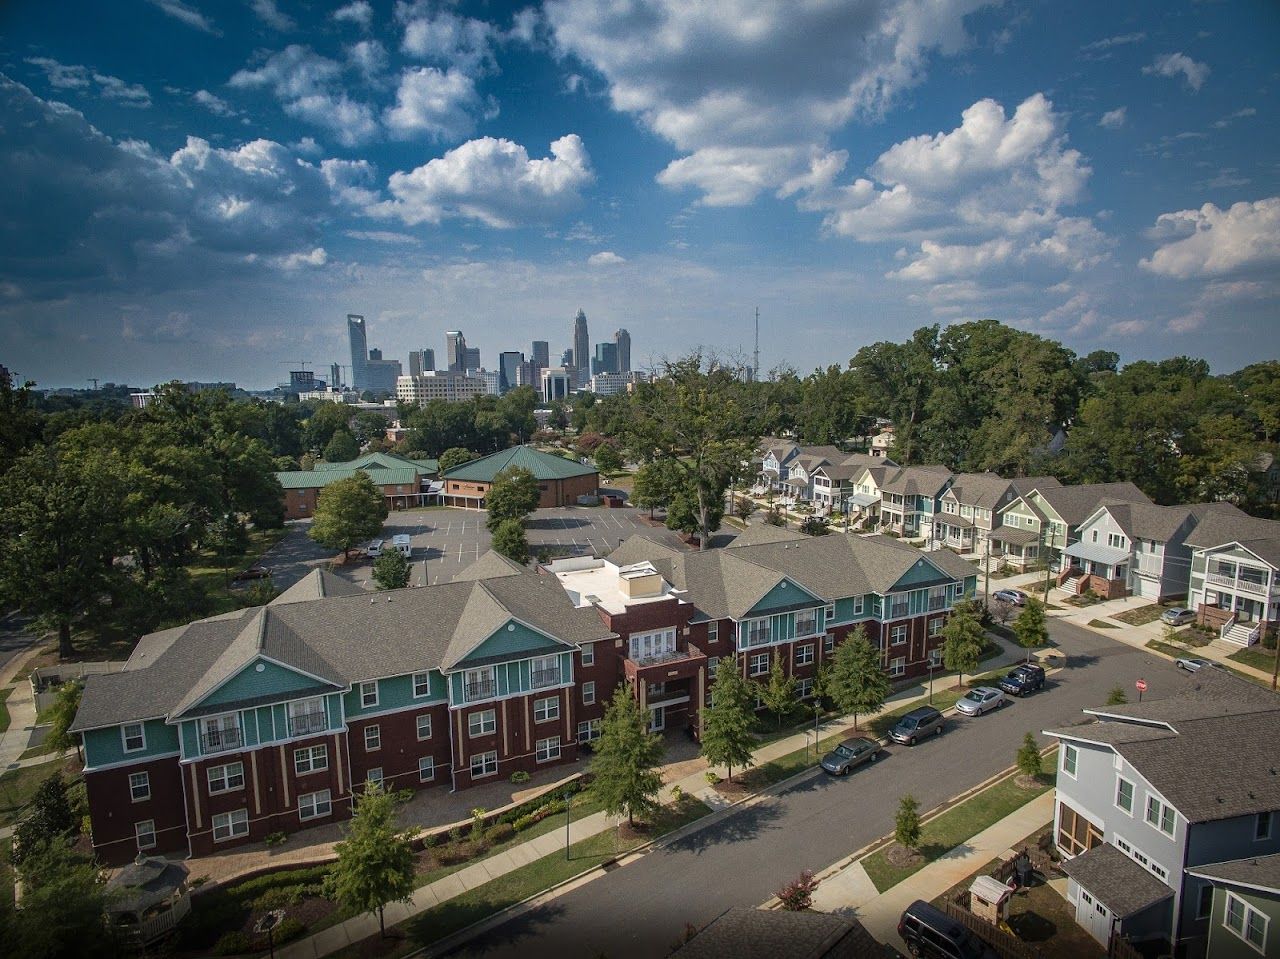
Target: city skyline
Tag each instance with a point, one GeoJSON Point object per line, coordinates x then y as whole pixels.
{"type": "Point", "coordinates": [193, 197]}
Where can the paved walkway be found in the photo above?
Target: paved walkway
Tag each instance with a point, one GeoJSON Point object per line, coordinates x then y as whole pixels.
{"type": "Point", "coordinates": [850, 890]}
{"type": "Point", "coordinates": [22, 712]}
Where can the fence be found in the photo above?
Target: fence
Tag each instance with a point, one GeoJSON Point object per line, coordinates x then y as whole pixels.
{"type": "Point", "coordinates": [1120, 948]}
{"type": "Point", "coordinates": [1005, 945]}
{"type": "Point", "coordinates": [46, 680]}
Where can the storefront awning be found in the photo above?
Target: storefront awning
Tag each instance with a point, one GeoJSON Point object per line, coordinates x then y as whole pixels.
{"type": "Point", "coordinates": [1097, 553]}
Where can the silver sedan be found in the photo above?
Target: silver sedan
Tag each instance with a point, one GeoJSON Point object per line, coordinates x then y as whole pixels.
{"type": "Point", "coordinates": [981, 700]}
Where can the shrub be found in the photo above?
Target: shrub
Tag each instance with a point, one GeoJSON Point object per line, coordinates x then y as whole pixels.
{"type": "Point", "coordinates": [275, 839]}
{"type": "Point", "coordinates": [551, 808]}
{"type": "Point", "coordinates": [233, 944]}
{"type": "Point", "coordinates": [500, 832]}
{"type": "Point", "coordinates": [519, 776]}
{"type": "Point", "coordinates": [278, 898]}
{"type": "Point", "coordinates": [797, 895]}
{"type": "Point", "coordinates": [430, 840]}
{"type": "Point", "coordinates": [477, 819]}
{"type": "Point", "coordinates": [676, 793]}
{"type": "Point", "coordinates": [455, 835]}
{"type": "Point", "coordinates": [712, 778]}
{"type": "Point", "coordinates": [524, 822]}
{"type": "Point", "coordinates": [292, 928]}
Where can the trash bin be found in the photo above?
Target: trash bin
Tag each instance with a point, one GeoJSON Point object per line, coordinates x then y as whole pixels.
{"type": "Point", "coordinates": [1023, 871]}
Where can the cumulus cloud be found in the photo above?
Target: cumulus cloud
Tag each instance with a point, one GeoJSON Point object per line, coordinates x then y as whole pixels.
{"type": "Point", "coordinates": [272, 15]}
{"type": "Point", "coordinates": [493, 181]}
{"type": "Point", "coordinates": [128, 94]}
{"type": "Point", "coordinates": [61, 76]}
{"type": "Point", "coordinates": [369, 57]}
{"type": "Point", "coordinates": [186, 13]}
{"type": "Point", "coordinates": [433, 102]}
{"type": "Point", "coordinates": [305, 258]}
{"type": "Point", "coordinates": [605, 258]}
{"type": "Point", "coordinates": [1175, 64]}
{"type": "Point", "coordinates": [1114, 119]}
{"type": "Point", "coordinates": [723, 83]}
{"type": "Point", "coordinates": [307, 86]}
{"type": "Point", "coordinates": [1216, 242]}
{"type": "Point", "coordinates": [359, 13]}
{"type": "Point", "coordinates": [350, 181]}
{"type": "Point", "coordinates": [442, 36]}
{"type": "Point", "coordinates": [67, 76]}
{"type": "Point", "coordinates": [213, 103]}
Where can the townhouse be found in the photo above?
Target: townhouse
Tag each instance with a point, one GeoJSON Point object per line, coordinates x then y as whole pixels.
{"type": "Point", "coordinates": [1149, 794]}
{"type": "Point", "coordinates": [1235, 574]}
{"type": "Point", "coordinates": [1037, 525]}
{"type": "Point", "coordinates": [404, 482]}
{"type": "Point", "coordinates": [909, 498]}
{"type": "Point", "coordinates": [1246, 901]}
{"type": "Point", "coordinates": [833, 482]}
{"type": "Point", "coordinates": [817, 474]}
{"type": "Point", "coordinates": [269, 719]}
{"type": "Point", "coordinates": [970, 508]}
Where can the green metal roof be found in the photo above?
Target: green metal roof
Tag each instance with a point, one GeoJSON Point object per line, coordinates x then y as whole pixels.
{"type": "Point", "coordinates": [381, 461]}
{"type": "Point", "coordinates": [311, 479]}
{"type": "Point", "coordinates": [543, 466]}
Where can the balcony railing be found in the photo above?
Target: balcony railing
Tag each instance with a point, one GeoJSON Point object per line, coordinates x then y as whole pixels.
{"type": "Point", "coordinates": [899, 609]}
{"type": "Point", "coordinates": [937, 602]}
{"type": "Point", "coordinates": [484, 690]}
{"type": "Point", "coordinates": [219, 740]}
{"type": "Point", "coordinates": [307, 724]}
{"type": "Point", "coordinates": [657, 659]}
{"type": "Point", "coordinates": [1234, 582]}
{"type": "Point", "coordinates": [544, 677]}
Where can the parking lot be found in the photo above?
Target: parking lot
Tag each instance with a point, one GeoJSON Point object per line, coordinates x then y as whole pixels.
{"type": "Point", "coordinates": [446, 541]}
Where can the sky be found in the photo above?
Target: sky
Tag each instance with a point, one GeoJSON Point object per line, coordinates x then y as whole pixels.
{"type": "Point", "coordinates": [203, 190]}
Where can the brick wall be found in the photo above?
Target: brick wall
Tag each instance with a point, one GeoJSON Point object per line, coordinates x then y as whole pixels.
{"type": "Point", "coordinates": [114, 812]}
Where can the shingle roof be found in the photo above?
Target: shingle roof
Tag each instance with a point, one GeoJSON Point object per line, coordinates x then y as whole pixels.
{"type": "Point", "coordinates": [917, 481]}
{"type": "Point", "coordinates": [1115, 880]}
{"type": "Point", "coordinates": [1075, 504]}
{"type": "Point", "coordinates": [1025, 484]}
{"type": "Point", "coordinates": [1258, 872]}
{"type": "Point", "coordinates": [1160, 523]}
{"type": "Point", "coordinates": [544, 466]}
{"type": "Point", "coordinates": [317, 584]}
{"type": "Point", "coordinates": [490, 565]}
{"type": "Point", "coordinates": [765, 533]}
{"type": "Point", "coordinates": [1220, 527]}
{"type": "Point", "coordinates": [983, 490]}
{"type": "Point", "coordinates": [741, 933]}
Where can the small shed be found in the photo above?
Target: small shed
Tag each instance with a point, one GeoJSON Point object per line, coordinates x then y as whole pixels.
{"type": "Point", "coordinates": [989, 899]}
{"type": "Point", "coordinates": [148, 897]}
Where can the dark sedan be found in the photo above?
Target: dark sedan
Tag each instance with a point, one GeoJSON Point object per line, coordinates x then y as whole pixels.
{"type": "Point", "coordinates": [850, 754]}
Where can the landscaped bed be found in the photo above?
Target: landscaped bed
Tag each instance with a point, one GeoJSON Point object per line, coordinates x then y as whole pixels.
{"type": "Point", "coordinates": [1141, 615]}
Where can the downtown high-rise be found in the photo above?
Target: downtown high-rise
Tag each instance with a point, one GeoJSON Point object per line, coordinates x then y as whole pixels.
{"type": "Point", "coordinates": [581, 348]}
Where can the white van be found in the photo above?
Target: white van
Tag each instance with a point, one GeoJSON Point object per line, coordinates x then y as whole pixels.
{"type": "Point", "coordinates": [402, 544]}
{"type": "Point", "coordinates": [374, 549]}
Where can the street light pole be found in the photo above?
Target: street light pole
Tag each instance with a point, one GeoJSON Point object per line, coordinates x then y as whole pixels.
{"type": "Point", "coordinates": [568, 798]}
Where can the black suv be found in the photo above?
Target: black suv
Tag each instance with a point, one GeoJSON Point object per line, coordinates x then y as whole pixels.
{"type": "Point", "coordinates": [1024, 679]}
{"type": "Point", "coordinates": [917, 724]}
{"type": "Point", "coordinates": [928, 931]}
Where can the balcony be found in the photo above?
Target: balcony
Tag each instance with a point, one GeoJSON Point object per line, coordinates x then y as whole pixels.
{"type": "Point", "coordinates": [544, 677]}
{"type": "Point", "coordinates": [220, 740]}
{"type": "Point", "coordinates": [898, 610]}
{"type": "Point", "coordinates": [673, 665]}
{"type": "Point", "coordinates": [1236, 583]}
{"type": "Point", "coordinates": [478, 691]}
{"type": "Point", "coordinates": [308, 724]}
{"type": "Point", "coordinates": [937, 602]}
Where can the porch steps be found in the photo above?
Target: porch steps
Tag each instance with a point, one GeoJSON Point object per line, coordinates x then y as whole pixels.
{"type": "Point", "coordinates": [1071, 585]}
{"type": "Point", "coordinates": [1240, 634]}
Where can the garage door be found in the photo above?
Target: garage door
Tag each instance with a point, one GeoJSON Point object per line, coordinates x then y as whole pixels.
{"type": "Point", "coordinates": [1094, 917]}
{"type": "Point", "coordinates": [1146, 588]}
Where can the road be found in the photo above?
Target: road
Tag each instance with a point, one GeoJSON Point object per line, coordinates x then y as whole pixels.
{"type": "Point", "coordinates": [14, 638]}
{"type": "Point", "coordinates": [641, 909]}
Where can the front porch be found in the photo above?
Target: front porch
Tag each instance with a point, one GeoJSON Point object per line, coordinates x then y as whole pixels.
{"type": "Point", "coordinates": [1019, 548]}
{"type": "Point", "coordinates": [954, 532]}
{"type": "Point", "coordinates": [670, 685]}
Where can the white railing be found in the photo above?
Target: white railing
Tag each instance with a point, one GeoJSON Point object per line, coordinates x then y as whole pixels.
{"type": "Point", "coordinates": [1235, 582]}
{"type": "Point", "coordinates": [158, 925]}
{"type": "Point", "coordinates": [1222, 633]}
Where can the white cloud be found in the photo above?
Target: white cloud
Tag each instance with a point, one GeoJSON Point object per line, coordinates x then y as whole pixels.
{"type": "Point", "coordinates": [1106, 43]}
{"type": "Point", "coordinates": [492, 181]}
{"type": "Point", "coordinates": [750, 90]}
{"type": "Point", "coordinates": [272, 15]}
{"type": "Point", "coordinates": [436, 103]}
{"type": "Point", "coordinates": [62, 76]}
{"type": "Point", "coordinates": [381, 236]}
{"type": "Point", "coordinates": [358, 12]}
{"type": "Point", "coordinates": [605, 258]}
{"type": "Point", "coordinates": [349, 182]}
{"type": "Point", "coordinates": [369, 57]}
{"type": "Point", "coordinates": [128, 94]}
{"type": "Point", "coordinates": [1215, 242]}
{"type": "Point", "coordinates": [1114, 119]}
{"type": "Point", "coordinates": [1173, 64]}
{"type": "Point", "coordinates": [66, 76]}
{"type": "Point", "coordinates": [308, 88]}
{"type": "Point", "coordinates": [186, 13]}
{"type": "Point", "coordinates": [1227, 120]}
{"type": "Point", "coordinates": [213, 103]}
{"type": "Point", "coordinates": [443, 36]}
{"type": "Point", "coordinates": [295, 261]}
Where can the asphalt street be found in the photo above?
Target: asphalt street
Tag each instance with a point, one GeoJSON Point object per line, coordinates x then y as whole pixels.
{"type": "Point", "coordinates": [14, 638]}
{"type": "Point", "coordinates": [641, 909]}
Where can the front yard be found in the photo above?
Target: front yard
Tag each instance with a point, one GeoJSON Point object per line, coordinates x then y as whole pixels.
{"type": "Point", "coordinates": [1141, 615]}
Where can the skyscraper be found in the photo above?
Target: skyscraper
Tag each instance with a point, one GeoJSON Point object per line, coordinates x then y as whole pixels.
{"type": "Point", "coordinates": [455, 346]}
{"type": "Point", "coordinates": [359, 351]}
{"type": "Point", "coordinates": [606, 359]}
{"type": "Point", "coordinates": [421, 361]}
{"type": "Point", "coordinates": [622, 340]}
{"type": "Point", "coordinates": [471, 358]}
{"type": "Point", "coordinates": [541, 355]}
{"type": "Point", "coordinates": [509, 370]}
{"type": "Point", "coordinates": [335, 376]}
{"type": "Point", "coordinates": [581, 347]}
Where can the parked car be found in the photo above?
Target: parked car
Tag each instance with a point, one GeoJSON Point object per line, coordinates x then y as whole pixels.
{"type": "Point", "coordinates": [1015, 596]}
{"type": "Point", "coordinates": [982, 699]}
{"type": "Point", "coordinates": [253, 572]}
{"type": "Point", "coordinates": [1023, 679]}
{"type": "Point", "coordinates": [930, 932]}
{"type": "Point", "coordinates": [1178, 617]}
{"type": "Point", "coordinates": [917, 724]}
{"type": "Point", "coordinates": [374, 549]}
{"type": "Point", "coordinates": [1191, 664]}
{"type": "Point", "coordinates": [851, 754]}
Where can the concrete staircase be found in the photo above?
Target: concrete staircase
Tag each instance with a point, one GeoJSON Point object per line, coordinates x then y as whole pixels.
{"type": "Point", "coordinates": [1240, 634]}
{"type": "Point", "coordinates": [1071, 585]}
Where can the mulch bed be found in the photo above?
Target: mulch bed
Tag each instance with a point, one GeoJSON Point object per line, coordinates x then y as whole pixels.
{"type": "Point", "coordinates": [901, 857]}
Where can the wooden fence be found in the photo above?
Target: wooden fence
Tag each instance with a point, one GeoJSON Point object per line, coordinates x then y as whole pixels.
{"type": "Point", "coordinates": [1006, 946]}
{"type": "Point", "coordinates": [1120, 948]}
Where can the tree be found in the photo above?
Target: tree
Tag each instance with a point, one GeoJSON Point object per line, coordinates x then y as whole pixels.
{"type": "Point", "coordinates": [727, 722]}
{"type": "Point", "coordinates": [797, 895]}
{"type": "Point", "coordinates": [608, 460]}
{"type": "Point", "coordinates": [906, 825]}
{"type": "Point", "coordinates": [455, 456]}
{"type": "Point", "coordinates": [375, 865]}
{"type": "Point", "coordinates": [857, 683]}
{"type": "Point", "coordinates": [779, 693]}
{"type": "Point", "coordinates": [61, 714]}
{"type": "Point", "coordinates": [48, 819]}
{"type": "Point", "coordinates": [626, 758]}
{"type": "Point", "coordinates": [743, 507]}
{"type": "Point", "coordinates": [1030, 627]}
{"type": "Point", "coordinates": [510, 540]}
{"type": "Point", "coordinates": [963, 639]}
{"type": "Point", "coordinates": [1117, 696]}
{"type": "Point", "coordinates": [513, 495]}
{"type": "Point", "coordinates": [391, 570]}
{"type": "Point", "coordinates": [814, 526]}
{"type": "Point", "coordinates": [348, 511]}
{"type": "Point", "coordinates": [1029, 757]}
{"type": "Point", "coordinates": [653, 485]}
{"type": "Point", "coordinates": [342, 448]}
{"type": "Point", "coordinates": [1002, 610]}
{"type": "Point", "coordinates": [775, 517]}
{"type": "Point", "coordinates": [63, 908]}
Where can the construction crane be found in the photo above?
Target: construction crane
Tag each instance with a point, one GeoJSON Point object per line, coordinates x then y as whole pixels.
{"type": "Point", "coordinates": [94, 381]}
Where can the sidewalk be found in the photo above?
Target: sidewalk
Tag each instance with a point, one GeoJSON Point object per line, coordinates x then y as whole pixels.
{"type": "Point", "coordinates": [850, 891]}
{"type": "Point", "coordinates": [22, 712]}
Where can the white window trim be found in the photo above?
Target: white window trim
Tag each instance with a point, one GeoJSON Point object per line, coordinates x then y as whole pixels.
{"type": "Point", "coordinates": [804, 654]}
{"type": "Point", "coordinates": [549, 706]}
{"type": "Point", "coordinates": [592, 730]}
{"type": "Point", "coordinates": [588, 693]}
{"type": "Point", "coordinates": [363, 695]}
{"type": "Point", "coordinates": [751, 664]}
{"type": "Point", "coordinates": [474, 733]}
{"type": "Point", "coordinates": [546, 745]}
{"type": "Point", "coordinates": [1161, 807]}
{"type": "Point", "coordinates": [375, 775]}
{"type": "Point", "coordinates": [315, 805]}
{"type": "Point", "coordinates": [124, 737]}
{"type": "Point", "coordinates": [418, 726]}
{"type": "Point", "coordinates": [898, 631]}
{"type": "Point", "coordinates": [233, 818]}
{"type": "Point", "coordinates": [431, 760]}
{"type": "Point", "coordinates": [589, 654]}
{"type": "Point", "coordinates": [1243, 933]}
{"type": "Point", "coordinates": [481, 756]}
{"type": "Point", "coordinates": [311, 760]}
{"type": "Point", "coordinates": [1074, 753]}
{"type": "Point", "coordinates": [146, 783]}
{"type": "Point", "coordinates": [137, 834]}
{"type": "Point", "coordinates": [414, 679]}
{"type": "Point", "coordinates": [898, 666]}
{"type": "Point", "coordinates": [372, 731]}
{"type": "Point", "coordinates": [226, 778]}
{"type": "Point", "coordinates": [1133, 796]}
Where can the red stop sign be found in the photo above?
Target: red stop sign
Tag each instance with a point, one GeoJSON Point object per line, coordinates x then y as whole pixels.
{"type": "Point", "coordinates": [1141, 685]}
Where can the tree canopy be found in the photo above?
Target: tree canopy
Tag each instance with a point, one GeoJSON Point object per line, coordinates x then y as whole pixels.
{"type": "Point", "coordinates": [626, 758]}
{"type": "Point", "coordinates": [857, 682]}
{"type": "Point", "coordinates": [348, 511]}
{"type": "Point", "coordinates": [513, 495]}
{"type": "Point", "coordinates": [375, 865]}
{"type": "Point", "coordinates": [726, 724]}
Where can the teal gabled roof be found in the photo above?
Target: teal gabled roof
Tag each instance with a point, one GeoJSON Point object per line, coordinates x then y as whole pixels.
{"type": "Point", "coordinates": [543, 466]}
{"type": "Point", "coordinates": [312, 479]}
{"type": "Point", "coordinates": [383, 461]}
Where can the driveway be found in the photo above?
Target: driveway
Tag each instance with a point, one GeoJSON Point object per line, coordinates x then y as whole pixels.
{"type": "Point", "coordinates": [641, 909]}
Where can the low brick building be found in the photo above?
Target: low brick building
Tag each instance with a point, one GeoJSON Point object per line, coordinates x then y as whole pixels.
{"type": "Point", "coordinates": [404, 482]}
{"type": "Point", "coordinates": [560, 481]}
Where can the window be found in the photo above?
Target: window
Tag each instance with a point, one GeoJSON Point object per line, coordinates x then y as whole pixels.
{"type": "Point", "coordinates": [230, 825]}
{"type": "Point", "coordinates": [757, 632]}
{"type": "Point", "coordinates": [545, 710]}
{"type": "Point", "coordinates": [656, 689]}
{"type": "Point", "coordinates": [829, 613]}
{"type": "Point", "coordinates": [898, 635]}
{"type": "Point", "coordinates": [219, 733]}
{"type": "Point", "coordinates": [857, 606]}
{"type": "Point", "coordinates": [307, 717]}
{"type": "Point", "coordinates": [806, 622]}
{"type": "Point", "coordinates": [828, 644]}
{"type": "Point", "coordinates": [1204, 904]}
{"type": "Point", "coordinates": [372, 737]}
{"type": "Point", "coordinates": [547, 749]}
{"type": "Point", "coordinates": [424, 727]}
{"type": "Point", "coordinates": [426, 769]}
{"type": "Point", "coordinates": [1124, 795]}
{"type": "Point", "coordinates": [145, 833]}
{"type": "Point", "coordinates": [421, 685]}
{"type": "Point", "coordinates": [1159, 815]}
{"type": "Point", "coordinates": [1115, 541]}
{"type": "Point", "coordinates": [374, 776]}
{"type": "Point", "coordinates": [226, 778]}
{"type": "Point", "coordinates": [936, 626]}
{"type": "Point", "coordinates": [135, 738]}
{"type": "Point", "coordinates": [935, 657]}
{"type": "Point", "coordinates": [1075, 833]}
{"type": "Point", "coordinates": [588, 693]}
{"type": "Point", "coordinates": [484, 764]}
{"type": "Point", "coordinates": [804, 688]}
{"type": "Point", "coordinates": [311, 759]}
{"type": "Point", "coordinates": [897, 666]}
{"type": "Point", "coordinates": [1262, 827]}
{"type": "Point", "coordinates": [713, 632]}
{"type": "Point", "coordinates": [369, 694]}
{"type": "Point", "coordinates": [1123, 845]}
{"type": "Point", "coordinates": [545, 671]}
{"type": "Point", "coordinates": [139, 786]}
{"type": "Point", "coordinates": [314, 805]}
{"type": "Point", "coordinates": [588, 730]}
{"type": "Point", "coordinates": [1246, 922]}
{"type": "Point", "coordinates": [589, 655]}
{"type": "Point", "coordinates": [482, 723]}
{"type": "Point", "coordinates": [759, 664]}
{"type": "Point", "coordinates": [1070, 760]}
{"type": "Point", "coordinates": [804, 655]}
{"type": "Point", "coordinates": [655, 645]}
{"type": "Point", "coordinates": [479, 684]}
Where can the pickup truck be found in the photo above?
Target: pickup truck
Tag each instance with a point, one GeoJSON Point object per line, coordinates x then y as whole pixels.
{"type": "Point", "coordinates": [1023, 679]}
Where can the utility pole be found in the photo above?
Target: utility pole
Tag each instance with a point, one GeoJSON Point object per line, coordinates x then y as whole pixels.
{"type": "Point", "coordinates": [986, 568]}
{"type": "Point", "coordinates": [755, 368]}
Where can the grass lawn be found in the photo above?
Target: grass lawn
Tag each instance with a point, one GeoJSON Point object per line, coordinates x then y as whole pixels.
{"type": "Point", "coordinates": [17, 786]}
{"type": "Point", "coordinates": [1167, 648]}
{"type": "Point", "coordinates": [1102, 624]}
{"type": "Point", "coordinates": [1259, 657]}
{"type": "Point", "coordinates": [498, 894]}
{"type": "Point", "coordinates": [4, 709]}
{"type": "Point", "coordinates": [939, 836]}
{"type": "Point", "coordinates": [208, 572]}
{"type": "Point", "coordinates": [42, 750]}
{"type": "Point", "coordinates": [6, 874]}
{"type": "Point", "coordinates": [1141, 615]}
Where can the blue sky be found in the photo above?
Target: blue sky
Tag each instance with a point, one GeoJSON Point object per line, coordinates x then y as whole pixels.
{"type": "Point", "coordinates": [203, 190]}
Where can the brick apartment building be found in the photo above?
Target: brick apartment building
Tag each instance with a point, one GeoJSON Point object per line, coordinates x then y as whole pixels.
{"type": "Point", "coordinates": [266, 719]}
